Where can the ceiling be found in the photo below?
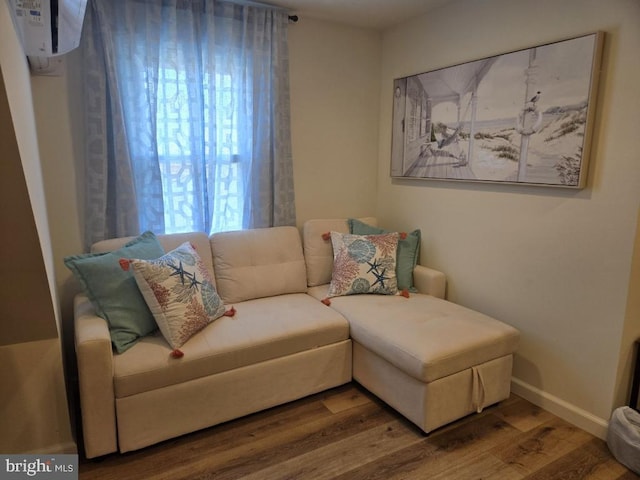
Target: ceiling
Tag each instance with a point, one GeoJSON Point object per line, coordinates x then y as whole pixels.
{"type": "Point", "coordinates": [378, 14]}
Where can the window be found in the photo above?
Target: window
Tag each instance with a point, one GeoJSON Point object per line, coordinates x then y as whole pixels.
{"type": "Point", "coordinates": [187, 104]}
{"type": "Point", "coordinates": [178, 167]}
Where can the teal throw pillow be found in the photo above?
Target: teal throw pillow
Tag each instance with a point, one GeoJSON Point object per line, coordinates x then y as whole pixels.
{"type": "Point", "coordinates": [114, 292]}
{"type": "Point", "coordinates": [408, 251]}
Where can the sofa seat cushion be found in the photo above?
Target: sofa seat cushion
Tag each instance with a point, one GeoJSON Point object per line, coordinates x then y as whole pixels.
{"type": "Point", "coordinates": [262, 329]}
{"type": "Point", "coordinates": [424, 336]}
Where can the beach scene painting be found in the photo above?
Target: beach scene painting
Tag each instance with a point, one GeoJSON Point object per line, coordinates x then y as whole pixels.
{"type": "Point", "coordinates": [523, 117]}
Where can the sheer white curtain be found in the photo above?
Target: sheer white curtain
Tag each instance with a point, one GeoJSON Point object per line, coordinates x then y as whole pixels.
{"type": "Point", "coordinates": [187, 117]}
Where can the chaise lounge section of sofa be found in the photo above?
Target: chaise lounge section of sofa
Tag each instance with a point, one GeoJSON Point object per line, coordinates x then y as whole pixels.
{"type": "Point", "coordinates": [432, 360]}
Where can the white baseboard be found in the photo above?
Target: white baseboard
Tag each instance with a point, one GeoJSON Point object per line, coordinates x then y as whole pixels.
{"type": "Point", "coordinates": [580, 418]}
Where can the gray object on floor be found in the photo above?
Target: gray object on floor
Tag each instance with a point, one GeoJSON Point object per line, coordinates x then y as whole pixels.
{"type": "Point", "coordinates": [623, 437]}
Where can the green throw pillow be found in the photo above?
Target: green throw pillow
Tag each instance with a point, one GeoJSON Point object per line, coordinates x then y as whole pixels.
{"type": "Point", "coordinates": [408, 251]}
{"type": "Point", "coordinates": [114, 292]}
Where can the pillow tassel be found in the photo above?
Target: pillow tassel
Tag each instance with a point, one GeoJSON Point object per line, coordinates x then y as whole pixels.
{"type": "Point", "coordinates": [326, 301]}
{"type": "Point", "coordinates": [405, 293]}
{"type": "Point", "coordinates": [326, 236]}
{"type": "Point", "coordinates": [124, 264]}
{"type": "Point", "coordinates": [177, 353]}
{"type": "Point", "coordinates": [403, 235]}
{"type": "Point", "coordinates": [230, 313]}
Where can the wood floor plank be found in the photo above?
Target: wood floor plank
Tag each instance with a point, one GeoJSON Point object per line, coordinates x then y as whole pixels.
{"type": "Point", "coordinates": [336, 458]}
{"type": "Point", "coordinates": [345, 400]}
{"type": "Point", "coordinates": [628, 475]}
{"type": "Point", "coordinates": [523, 415]}
{"type": "Point", "coordinates": [589, 462]}
{"type": "Point", "coordinates": [438, 451]}
{"type": "Point", "coordinates": [262, 450]}
{"type": "Point", "coordinates": [280, 448]}
{"type": "Point", "coordinates": [490, 466]}
{"type": "Point", "coordinates": [542, 445]}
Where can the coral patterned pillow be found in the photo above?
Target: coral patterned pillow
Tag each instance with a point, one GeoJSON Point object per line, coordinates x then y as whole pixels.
{"type": "Point", "coordinates": [364, 264]}
{"type": "Point", "coordinates": [179, 292]}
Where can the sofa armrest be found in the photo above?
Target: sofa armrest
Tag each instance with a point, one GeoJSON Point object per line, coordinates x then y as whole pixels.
{"type": "Point", "coordinates": [95, 375]}
{"type": "Point", "coordinates": [429, 281]}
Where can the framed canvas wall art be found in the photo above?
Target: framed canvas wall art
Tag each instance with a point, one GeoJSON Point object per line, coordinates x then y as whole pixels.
{"type": "Point", "coordinates": [523, 117]}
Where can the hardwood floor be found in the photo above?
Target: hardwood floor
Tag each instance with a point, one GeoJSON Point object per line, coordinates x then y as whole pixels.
{"type": "Point", "coordinates": [348, 434]}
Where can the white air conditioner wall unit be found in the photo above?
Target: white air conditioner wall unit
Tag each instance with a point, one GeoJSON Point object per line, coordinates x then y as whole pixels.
{"type": "Point", "coordinates": [48, 27]}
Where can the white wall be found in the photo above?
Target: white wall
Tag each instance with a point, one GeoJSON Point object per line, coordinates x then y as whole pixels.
{"type": "Point", "coordinates": [16, 73]}
{"type": "Point", "coordinates": [58, 111]}
{"type": "Point", "coordinates": [553, 263]}
{"type": "Point", "coordinates": [335, 83]}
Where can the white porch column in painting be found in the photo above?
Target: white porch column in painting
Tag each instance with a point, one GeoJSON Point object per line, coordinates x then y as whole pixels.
{"type": "Point", "coordinates": [530, 118]}
{"type": "Point", "coordinates": [472, 124]}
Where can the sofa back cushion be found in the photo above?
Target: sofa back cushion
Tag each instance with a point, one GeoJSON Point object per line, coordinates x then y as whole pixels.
{"type": "Point", "coordinates": [318, 252]}
{"type": "Point", "coordinates": [169, 242]}
{"type": "Point", "coordinates": [258, 263]}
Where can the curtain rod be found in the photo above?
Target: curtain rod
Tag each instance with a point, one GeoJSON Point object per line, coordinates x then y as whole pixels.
{"type": "Point", "coordinates": [292, 18]}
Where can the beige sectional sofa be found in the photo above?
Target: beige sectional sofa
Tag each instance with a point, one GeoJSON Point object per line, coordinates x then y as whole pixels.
{"type": "Point", "coordinates": [431, 360]}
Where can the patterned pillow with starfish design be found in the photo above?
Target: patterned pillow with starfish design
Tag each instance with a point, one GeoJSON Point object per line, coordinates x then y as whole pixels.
{"type": "Point", "coordinates": [364, 264]}
{"type": "Point", "coordinates": [179, 292]}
